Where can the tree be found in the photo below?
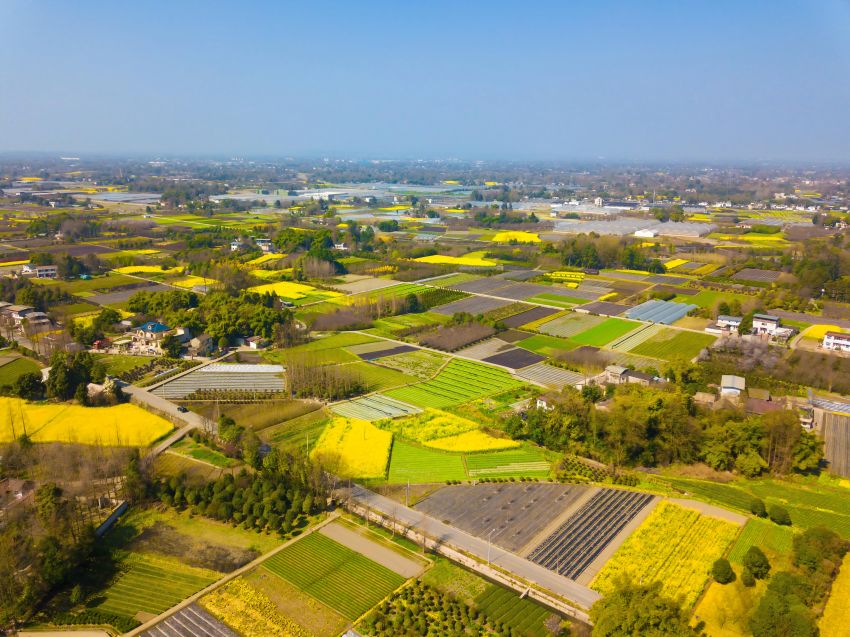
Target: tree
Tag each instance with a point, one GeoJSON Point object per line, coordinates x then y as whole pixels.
{"type": "Point", "coordinates": [634, 610]}
{"type": "Point", "coordinates": [29, 386]}
{"type": "Point", "coordinates": [750, 464]}
{"type": "Point", "coordinates": [747, 578]}
{"type": "Point", "coordinates": [756, 562]}
{"type": "Point", "coordinates": [757, 508]}
{"type": "Point", "coordinates": [722, 571]}
{"type": "Point", "coordinates": [779, 515]}
{"type": "Point", "coordinates": [171, 346]}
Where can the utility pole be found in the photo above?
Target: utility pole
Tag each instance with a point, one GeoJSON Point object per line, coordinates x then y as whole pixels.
{"type": "Point", "coordinates": [489, 535]}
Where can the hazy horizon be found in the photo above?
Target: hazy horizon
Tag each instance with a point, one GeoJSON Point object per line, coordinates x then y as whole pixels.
{"type": "Point", "coordinates": [611, 82]}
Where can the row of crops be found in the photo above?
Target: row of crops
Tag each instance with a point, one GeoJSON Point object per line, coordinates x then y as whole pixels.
{"type": "Point", "coordinates": [458, 382]}
{"type": "Point", "coordinates": [345, 580]}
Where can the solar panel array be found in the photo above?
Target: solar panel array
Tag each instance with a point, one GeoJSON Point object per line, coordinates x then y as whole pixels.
{"type": "Point", "coordinates": [657, 311]}
{"type": "Point", "coordinates": [571, 549]}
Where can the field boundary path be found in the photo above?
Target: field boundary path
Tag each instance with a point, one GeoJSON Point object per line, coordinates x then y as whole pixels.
{"type": "Point", "coordinates": [227, 578]}
{"type": "Point", "coordinates": [513, 571]}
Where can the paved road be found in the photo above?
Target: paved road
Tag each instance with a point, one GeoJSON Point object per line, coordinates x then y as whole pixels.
{"type": "Point", "coordinates": [189, 419]}
{"type": "Point", "coordinates": [451, 536]}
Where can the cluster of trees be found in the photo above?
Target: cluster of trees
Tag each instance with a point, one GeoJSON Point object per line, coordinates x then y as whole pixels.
{"type": "Point", "coordinates": [486, 217]}
{"type": "Point", "coordinates": [786, 608]}
{"type": "Point", "coordinates": [67, 266]}
{"type": "Point", "coordinates": [592, 251]}
{"type": "Point", "coordinates": [419, 610]}
{"type": "Point", "coordinates": [273, 499]}
{"type": "Point", "coordinates": [97, 329]}
{"type": "Point", "coordinates": [24, 292]}
{"type": "Point", "coordinates": [218, 314]}
{"type": "Point", "coordinates": [307, 379]}
{"type": "Point", "coordinates": [652, 426]}
{"type": "Point", "coordinates": [641, 609]}
{"type": "Point", "coordinates": [39, 549]}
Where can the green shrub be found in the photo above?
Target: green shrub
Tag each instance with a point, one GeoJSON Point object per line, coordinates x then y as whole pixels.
{"type": "Point", "coordinates": [747, 578]}
{"type": "Point", "coordinates": [722, 571]}
{"type": "Point", "coordinates": [757, 508]}
{"type": "Point", "coordinates": [779, 515]}
{"type": "Point", "coordinates": [756, 561]}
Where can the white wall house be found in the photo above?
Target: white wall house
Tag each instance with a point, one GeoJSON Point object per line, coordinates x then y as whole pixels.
{"type": "Point", "coordinates": [766, 324]}
{"type": "Point", "coordinates": [836, 341]}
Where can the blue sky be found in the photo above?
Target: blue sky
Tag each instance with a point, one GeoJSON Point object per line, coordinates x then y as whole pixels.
{"type": "Point", "coordinates": [643, 80]}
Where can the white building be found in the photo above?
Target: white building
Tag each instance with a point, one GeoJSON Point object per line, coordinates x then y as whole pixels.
{"type": "Point", "coordinates": [729, 322]}
{"type": "Point", "coordinates": [40, 271]}
{"type": "Point", "coordinates": [766, 324]}
{"type": "Point", "coordinates": [732, 385]}
{"type": "Point", "coordinates": [646, 234]}
{"type": "Point", "coordinates": [836, 341]}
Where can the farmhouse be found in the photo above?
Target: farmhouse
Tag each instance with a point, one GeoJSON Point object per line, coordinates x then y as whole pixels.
{"type": "Point", "coordinates": [40, 271]}
{"type": "Point", "coordinates": [201, 345]}
{"type": "Point", "coordinates": [766, 324]}
{"type": "Point", "coordinates": [836, 341]}
{"type": "Point", "coordinates": [619, 375]}
{"type": "Point", "coordinates": [17, 313]}
{"type": "Point", "coordinates": [148, 337]}
{"type": "Point", "coordinates": [732, 386]}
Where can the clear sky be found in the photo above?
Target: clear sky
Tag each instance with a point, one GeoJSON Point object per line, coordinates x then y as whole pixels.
{"type": "Point", "coordinates": [680, 80]}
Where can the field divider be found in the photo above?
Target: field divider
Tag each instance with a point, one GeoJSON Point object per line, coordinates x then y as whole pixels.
{"type": "Point", "coordinates": [229, 577]}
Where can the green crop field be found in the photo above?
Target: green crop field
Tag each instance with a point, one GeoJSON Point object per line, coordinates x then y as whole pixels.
{"type": "Point", "coordinates": [526, 461]}
{"type": "Point", "coordinates": [458, 382]}
{"type": "Point", "coordinates": [556, 300]}
{"type": "Point", "coordinates": [152, 585]}
{"type": "Point", "coordinates": [296, 433]}
{"type": "Point", "coordinates": [198, 451]}
{"type": "Point", "coordinates": [344, 580]}
{"type": "Point", "coordinates": [392, 324]}
{"type": "Point", "coordinates": [605, 332]}
{"type": "Point", "coordinates": [710, 298]}
{"type": "Point", "coordinates": [322, 351]}
{"type": "Point", "coordinates": [547, 345]}
{"type": "Point", "coordinates": [810, 504]}
{"type": "Point", "coordinates": [504, 606]}
{"type": "Point", "coordinates": [421, 465]}
{"type": "Point", "coordinates": [763, 534]}
{"type": "Point", "coordinates": [118, 364]}
{"type": "Point", "coordinates": [379, 378]}
{"type": "Point", "coordinates": [670, 344]}
{"type": "Point", "coordinates": [10, 371]}
{"type": "Point", "coordinates": [454, 279]}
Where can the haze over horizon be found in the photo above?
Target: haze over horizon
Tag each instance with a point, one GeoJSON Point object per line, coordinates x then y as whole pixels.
{"type": "Point", "coordinates": [614, 81]}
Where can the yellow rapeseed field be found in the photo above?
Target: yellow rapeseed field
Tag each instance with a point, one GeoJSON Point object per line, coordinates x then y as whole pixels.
{"type": "Point", "coordinates": [675, 546]}
{"type": "Point", "coordinates": [6, 264]}
{"type": "Point", "coordinates": [290, 290]}
{"type": "Point", "coordinates": [354, 448]}
{"type": "Point", "coordinates": [467, 260]}
{"type": "Point", "coordinates": [122, 425]}
{"type": "Point", "coordinates": [725, 608]}
{"type": "Point", "coordinates": [836, 615]}
{"type": "Point", "coordinates": [817, 332]}
{"type": "Point", "coordinates": [250, 611]}
{"type": "Point", "coordinates": [147, 269]}
{"type": "Point", "coordinates": [516, 235]}
{"type": "Point", "coordinates": [471, 441]}
{"type": "Point", "coordinates": [191, 281]}
{"type": "Point", "coordinates": [674, 263]}
{"type": "Point", "coordinates": [266, 258]}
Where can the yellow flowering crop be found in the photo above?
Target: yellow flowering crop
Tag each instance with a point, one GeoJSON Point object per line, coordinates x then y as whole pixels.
{"type": "Point", "coordinates": [467, 260]}
{"type": "Point", "coordinates": [122, 425]}
{"type": "Point", "coordinates": [472, 441]}
{"type": "Point", "coordinates": [250, 612]}
{"type": "Point", "coordinates": [516, 235]}
{"type": "Point", "coordinates": [354, 448]}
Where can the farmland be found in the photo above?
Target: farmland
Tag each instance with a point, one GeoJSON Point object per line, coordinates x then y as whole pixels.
{"type": "Point", "coordinates": [505, 606]}
{"type": "Point", "coordinates": [764, 534]}
{"type": "Point", "coordinates": [333, 574]}
{"type": "Point", "coordinates": [121, 425]}
{"type": "Point", "coordinates": [809, 503]}
{"type": "Point", "coordinates": [422, 364]}
{"type": "Point", "coordinates": [294, 434]}
{"type": "Point", "coordinates": [250, 611]}
{"type": "Point", "coordinates": [547, 345]}
{"type": "Point", "coordinates": [671, 344]}
{"type": "Point", "coordinates": [836, 615]}
{"type": "Point", "coordinates": [378, 378]}
{"type": "Point", "coordinates": [527, 461]}
{"type": "Point", "coordinates": [467, 260]}
{"type": "Point", "coordinates": [421, 465]}
{"type": "Point", "coordinates": [152, 585]}
{"type": "Point", "coordinates": [12, 368]}
{"type": "Point", "coordinates": [604, 332]}
{"type": "Point", "coordinates": [573, 547]}
{"type": "Point", "coordinates": [675, 546]}
{"type": "Point", "coordinates": [354, 448]}
{"type": "Point", "coordinates": [457, 382]}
